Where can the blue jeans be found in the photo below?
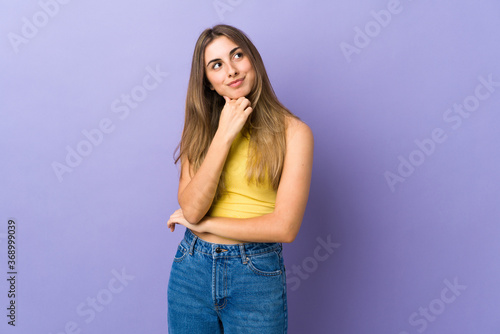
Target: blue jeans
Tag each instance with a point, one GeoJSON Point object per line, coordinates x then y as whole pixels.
{"type": "Point", "coordinates": [220, 288]}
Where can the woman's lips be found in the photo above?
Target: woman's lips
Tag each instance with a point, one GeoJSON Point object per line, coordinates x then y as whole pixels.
{"type": "Point", "coordinates": [236, 83]}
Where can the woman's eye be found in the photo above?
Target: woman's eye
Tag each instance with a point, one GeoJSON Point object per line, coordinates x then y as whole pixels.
{"type": "Point", "coordinates": [238, 55]}
{"type": "Point", "coordinates": [217, 65]}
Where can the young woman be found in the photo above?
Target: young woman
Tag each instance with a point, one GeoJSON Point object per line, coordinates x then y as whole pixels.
{"type": "Point", "coordinates": [246, 166]}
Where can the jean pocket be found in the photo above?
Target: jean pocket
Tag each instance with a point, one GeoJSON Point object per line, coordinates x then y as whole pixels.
{"type": "Point", "coordinates": [181, 253]}
{"type": "Point", "coordinates": [268, 264]}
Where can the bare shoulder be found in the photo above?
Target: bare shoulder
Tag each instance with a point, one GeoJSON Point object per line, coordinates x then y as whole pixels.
{"type": "Point", "coordinates": [297, 130]}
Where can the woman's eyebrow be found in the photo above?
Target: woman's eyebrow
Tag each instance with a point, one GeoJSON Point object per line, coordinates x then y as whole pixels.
{"type": "Point", "coordinates": [230, 53]}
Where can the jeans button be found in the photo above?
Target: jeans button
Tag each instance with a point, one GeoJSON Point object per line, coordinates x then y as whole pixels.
{"type": "Point", "coordinates": [218, 250]}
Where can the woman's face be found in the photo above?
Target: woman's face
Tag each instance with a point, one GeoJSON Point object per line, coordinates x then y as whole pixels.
{"type": "Point", "coordinates": [229, 71]}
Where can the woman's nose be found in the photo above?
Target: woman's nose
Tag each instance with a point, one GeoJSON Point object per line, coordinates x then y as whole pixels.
{"type": "Point", "coordinates": [232, 71]}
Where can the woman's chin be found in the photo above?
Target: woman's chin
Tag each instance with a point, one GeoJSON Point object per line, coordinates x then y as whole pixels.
{"type": "Point", "coordinates": [233, 95]}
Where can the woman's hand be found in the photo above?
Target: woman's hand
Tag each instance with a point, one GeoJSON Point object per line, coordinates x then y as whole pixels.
{"type": "Point", "coordinates": [234, 116]}
{"type": "Point", "coordinates": [178, 218]}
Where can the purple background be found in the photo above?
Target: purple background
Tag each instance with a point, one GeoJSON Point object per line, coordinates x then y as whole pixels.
{"type": "Point", "coordinates": [396, 249]}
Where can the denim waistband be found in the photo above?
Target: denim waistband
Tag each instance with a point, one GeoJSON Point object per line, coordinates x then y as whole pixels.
{"type": "Point", "coordinates": [194, 243]}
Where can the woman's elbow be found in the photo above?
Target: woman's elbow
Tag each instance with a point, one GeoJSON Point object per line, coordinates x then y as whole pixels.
{"type": "Point", "coordinates": [287, 238]}
{"type": "Point", "coordinates": [192, 215]}
{"type": "Point", "coordinates": [289, 233]}
{"type": "Point", "coordinates": [191, 211]}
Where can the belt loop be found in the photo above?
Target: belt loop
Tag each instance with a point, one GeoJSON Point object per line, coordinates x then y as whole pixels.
{"type": "Point", "coordinates": [191, 248]}
{"type": "Point", "coordinates": [243, 255]}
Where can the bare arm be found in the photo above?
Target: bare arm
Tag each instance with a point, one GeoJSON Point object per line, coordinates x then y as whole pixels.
{"type": "Point", "coordinates": [196, 193]}
{"type": "Point", "coordinates": [283, 224]}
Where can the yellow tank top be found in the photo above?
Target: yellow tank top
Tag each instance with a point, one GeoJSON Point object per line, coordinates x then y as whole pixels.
{"type": "Point", "coordinates": [242, 200]}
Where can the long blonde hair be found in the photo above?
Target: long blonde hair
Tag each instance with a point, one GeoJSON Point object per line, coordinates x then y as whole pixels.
{"type": "Point", "coordinates": [266, 124]}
